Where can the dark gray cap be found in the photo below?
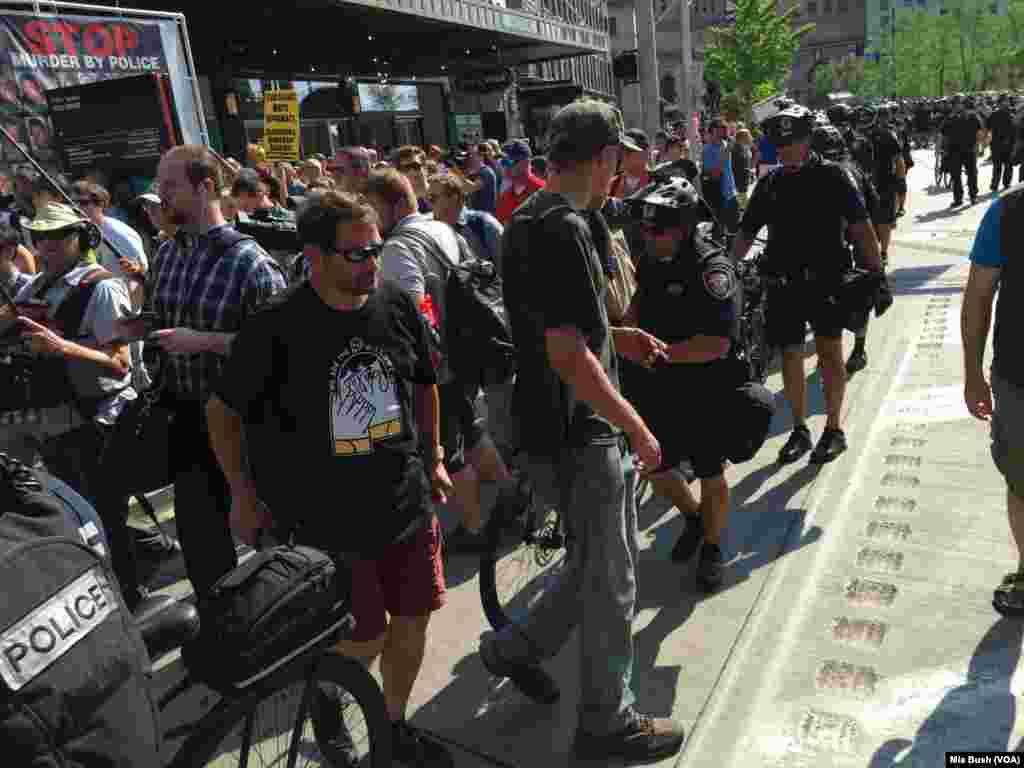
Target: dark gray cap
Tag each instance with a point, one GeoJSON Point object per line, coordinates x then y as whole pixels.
{"type": "Point", "coordinates": [586, 126]}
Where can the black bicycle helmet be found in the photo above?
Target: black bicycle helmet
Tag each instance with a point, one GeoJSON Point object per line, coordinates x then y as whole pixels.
{"type": "Point", "coordinates": [839, 114]}
{"type": "Point", "coordinates": [828, 142]}
{"type": "Point", "coordinates": [865, 115]}
{"type": "Point", "coordinates": [668, 204]}
{"type": "Point", "coordinates": [790, 126]}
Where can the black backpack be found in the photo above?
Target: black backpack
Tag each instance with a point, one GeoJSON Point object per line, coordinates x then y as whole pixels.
{"type": "Point", "coordinates": [267, 610]}
{"type": "Point", "coordinates": [73, 668]}
{"type": "Point", "coordinates": [475, 330]}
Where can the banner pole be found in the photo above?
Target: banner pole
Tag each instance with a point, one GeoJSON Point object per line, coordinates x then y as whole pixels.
{"type": "Point", "coordinates": [60, 190]}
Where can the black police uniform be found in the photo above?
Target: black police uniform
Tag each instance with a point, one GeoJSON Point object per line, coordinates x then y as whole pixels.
{"type": "Point", "coordinates": [697, 292]}
{"type": "Point", "coordinates": [1003, 130]}
{"type": "Point", "coordinates": [887, 147]}
{"type": "Point", "coordinates": [807, 212]}
{"type": "Point", "coordinates": [960, 135]}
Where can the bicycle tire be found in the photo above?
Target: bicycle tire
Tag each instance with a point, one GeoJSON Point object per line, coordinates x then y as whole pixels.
{"type": "Point", "coordinates": [206, 746]}
{"type": "Point", "coordinates": [542, 543]}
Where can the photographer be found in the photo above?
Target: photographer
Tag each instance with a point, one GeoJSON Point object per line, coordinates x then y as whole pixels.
{"type": "Point", "coordinates": [79, 323]}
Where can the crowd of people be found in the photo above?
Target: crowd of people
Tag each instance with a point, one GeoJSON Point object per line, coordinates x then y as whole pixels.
{"type": "Point", "coordinates": [316, 359]}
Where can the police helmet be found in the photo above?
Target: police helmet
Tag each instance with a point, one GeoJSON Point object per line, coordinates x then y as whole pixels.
{"type": "Point", "coordinates": [839, 114]}
{"type": "Point", "coordinates": [828, 142]}
{"type": "Point", "coordinates": [668, 204]}
{"type": "Point", "coordinates": [790, 126]}
{"type": "Point", "coordinates": [865, 115]}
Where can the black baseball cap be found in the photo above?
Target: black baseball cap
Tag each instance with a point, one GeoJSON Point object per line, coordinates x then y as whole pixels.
{"type": "Point", "coordinates": [585, 126]}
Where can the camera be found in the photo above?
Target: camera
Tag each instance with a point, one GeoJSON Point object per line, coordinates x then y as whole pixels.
{"type": "Point", "coordinates": [281, 235]}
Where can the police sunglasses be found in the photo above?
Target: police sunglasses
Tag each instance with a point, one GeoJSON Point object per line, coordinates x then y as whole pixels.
{"type": "Point", "coordinates": [359, 255]}
{"type": "Point", "coordinates": [54, 234]}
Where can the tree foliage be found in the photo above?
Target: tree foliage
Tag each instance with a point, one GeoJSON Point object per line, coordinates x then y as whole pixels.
{"type": "Point", "coordinates": [752, 57]}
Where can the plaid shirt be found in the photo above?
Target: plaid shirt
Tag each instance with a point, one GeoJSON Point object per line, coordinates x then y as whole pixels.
{"type": "Point", "coordinates": [232, 289]}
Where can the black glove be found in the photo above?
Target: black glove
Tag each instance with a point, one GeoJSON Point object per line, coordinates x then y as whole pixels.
{"type": "Point", "coordinates": [884, 299]}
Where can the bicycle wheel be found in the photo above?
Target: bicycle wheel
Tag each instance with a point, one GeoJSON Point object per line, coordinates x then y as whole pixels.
{"type": "Point", "coordinates": [272, 726]}
{"type": "Point", "coordinates": [759, 354]}
{"type": "Point", "coordinates": [513, 578]}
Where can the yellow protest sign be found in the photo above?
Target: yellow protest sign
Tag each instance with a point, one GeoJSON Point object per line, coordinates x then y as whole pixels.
{"type": "Point", "coordinates": [281, 125]}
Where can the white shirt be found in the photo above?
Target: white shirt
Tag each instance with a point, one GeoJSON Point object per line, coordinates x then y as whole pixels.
{"type": "Point", "coordinates": [126, 240]}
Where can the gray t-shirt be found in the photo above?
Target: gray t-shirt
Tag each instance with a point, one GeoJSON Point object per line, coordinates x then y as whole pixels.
{"type": "Point", "coordinates": [410, 258]}
{"type": "Point", "coordinates": [109, 303]}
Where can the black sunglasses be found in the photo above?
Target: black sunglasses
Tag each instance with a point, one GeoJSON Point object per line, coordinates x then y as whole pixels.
{"type": "Point", "coordinates": [53, 234]}
{"type": "Point", "coordinates": [360, 254]}
{"type": "Point", "coordinates": [414, 166]}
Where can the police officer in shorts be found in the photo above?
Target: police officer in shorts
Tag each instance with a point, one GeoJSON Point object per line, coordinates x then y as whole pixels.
{"type": "Point", "coordinates": [812, 207]}
{"type": "Point", "coordinates": [688, 296]}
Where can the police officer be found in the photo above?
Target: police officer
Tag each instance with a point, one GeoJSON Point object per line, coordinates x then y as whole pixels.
{"type": "Point", "coordinates": [688, 296]}
{"type": "Point", "coordinates": [889, 176]}
{"type": "Point", "coordinates": [810, 206]}
{"type": "Point", "coordinates": [960, 138]}
{"type": "Point", "coordinates": [1001, 125]}
{"type": "Point", "coordinates": [828, 142]}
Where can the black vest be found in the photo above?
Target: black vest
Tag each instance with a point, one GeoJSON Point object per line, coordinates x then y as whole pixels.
{"type": "Point", "coordinates": [1007, 361]}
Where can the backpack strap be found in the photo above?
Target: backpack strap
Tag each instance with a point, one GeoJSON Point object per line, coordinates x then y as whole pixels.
{"type": "Point", "coordinates": [68, 317]}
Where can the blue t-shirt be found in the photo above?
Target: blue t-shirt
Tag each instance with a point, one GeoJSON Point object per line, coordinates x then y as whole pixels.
{"type": "Point", "coordinates": [767, 152]}
{"type": "Point", "coordinates": [987, 250]}
{"type": "Point", "coordinates": [715, 158]}
{"type": "Point", "coordinates": [487, 198]}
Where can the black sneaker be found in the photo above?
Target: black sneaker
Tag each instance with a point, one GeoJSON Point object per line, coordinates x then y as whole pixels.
{"type": "Point", "coordinates": [462, 542]}
{"type": "Point", "coordinates": [643, 740]}
{"type": "Point", "coordinates": [711, 568]}
{"type": "Point", "coordinates": [332, 735]}
{"type": "Point", "coordinates": [973, 199]}
{"type": "Point", "coordinates": [689, 539]}
{"type": "Point", "coordinates": [956, 203]}
{"type": "Point", "coordinates": [531, 679]}
{"type": "Point", "coordinates": [829, 447]}
{"type": "Point", "coordinates": [858, 361]}
{"type": "Point", "coordinates": [414, 749]}
{"type": "Point", "coordinates": [798, 444]}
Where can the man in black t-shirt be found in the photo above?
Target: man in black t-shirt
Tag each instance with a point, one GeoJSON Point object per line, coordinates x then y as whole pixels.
{"type": "Point", "coordinates": [811, 206]}
{"type": "Point", "coordinates": [571, 419]}
{"type": "Point", "coordinates": [890, 168]}
{"type": "Point", "coordinates": [960, 140]}
{"type": "Point", "coordinates": [350, 422]}
{"type": "Point", "coordinates": [1000, 124]}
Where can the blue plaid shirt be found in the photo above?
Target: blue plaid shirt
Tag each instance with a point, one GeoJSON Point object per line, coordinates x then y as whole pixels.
{"type": "Point", "coordinates": [232, 289]}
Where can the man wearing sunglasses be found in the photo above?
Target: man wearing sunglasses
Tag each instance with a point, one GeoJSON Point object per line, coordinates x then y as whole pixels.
{"type": "Point", "coordinates": [810, 206]}
{"type": "Point", "coordinates": [411, 163]}
{"type": "Point", "coordinates": [370, 380]}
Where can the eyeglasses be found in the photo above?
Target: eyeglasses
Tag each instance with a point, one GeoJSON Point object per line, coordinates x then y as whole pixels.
{"type": "Point", "coordinates": [360, 254]}
{"type": "Point", "coordinates": [410, 167]}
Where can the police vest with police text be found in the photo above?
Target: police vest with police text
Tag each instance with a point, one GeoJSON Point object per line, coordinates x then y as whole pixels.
{"type": "Point", "coordinates": [73, 685]}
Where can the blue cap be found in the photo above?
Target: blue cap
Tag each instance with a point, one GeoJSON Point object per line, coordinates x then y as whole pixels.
{"type": "Point", "coordinates": [516, 151]}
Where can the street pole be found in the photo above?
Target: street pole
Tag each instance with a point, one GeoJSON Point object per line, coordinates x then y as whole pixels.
{"type": "Point", "coordinates": [648, 55]}
{"type": "Point", "coordinates": [686, 85]}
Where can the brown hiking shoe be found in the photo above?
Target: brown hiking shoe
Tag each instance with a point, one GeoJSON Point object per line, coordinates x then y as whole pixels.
{"type": "Point", "coordinates": [643, 740]}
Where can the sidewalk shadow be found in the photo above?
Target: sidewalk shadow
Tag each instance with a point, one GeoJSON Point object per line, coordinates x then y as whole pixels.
{"type": "Point", "coordinates": [759, 532]}
{"type": "Point", "coordinates": [978, 715]}
{"type": "Point", "coordinates": [907, 281]}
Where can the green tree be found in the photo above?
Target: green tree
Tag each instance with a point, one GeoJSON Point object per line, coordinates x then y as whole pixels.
{"type": "Point", "coordinates": [753, 56]}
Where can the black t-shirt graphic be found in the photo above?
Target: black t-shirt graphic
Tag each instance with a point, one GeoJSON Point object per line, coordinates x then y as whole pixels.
{"type": "Point", "coordinates": [328, 400]}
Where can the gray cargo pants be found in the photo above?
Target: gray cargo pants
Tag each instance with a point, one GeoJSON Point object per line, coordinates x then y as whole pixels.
{"type": "Point", "coordinates": [596, 591]}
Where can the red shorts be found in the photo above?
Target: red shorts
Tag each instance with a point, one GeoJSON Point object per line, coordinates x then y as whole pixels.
{"type": "Point", "coordinates": [406, 580]}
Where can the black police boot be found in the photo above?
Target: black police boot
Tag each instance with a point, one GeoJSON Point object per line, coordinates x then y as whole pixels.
{"type": "Point", "coordinates": [798, 444]}
{"type": "Point", "coordinates": [858, 359]}
{"type": "Point", "coordinates": [831, 444]}
{"type": "Point", "coordinates": [711, 568]}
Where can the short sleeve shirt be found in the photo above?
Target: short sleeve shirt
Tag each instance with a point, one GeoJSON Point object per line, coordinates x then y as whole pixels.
{"type": "Point", "coordinates": [987, 250]}
{"type": "Point", "coordinates": [336, 418]}
{"type": "Point", "coordinates": [553, 274]}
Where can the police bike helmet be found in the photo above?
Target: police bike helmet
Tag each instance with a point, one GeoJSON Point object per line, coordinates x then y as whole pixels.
{"type": "Point", "coordinates": [865, 116]}
{"type": "Point", "coordinates": [790, 126]}
{"type": "Point", "coordinates": [666, 205]}
{"type": "Point", "coordinates": [839, 114]}
{"type": "Point", "coordinates": [828, 142]}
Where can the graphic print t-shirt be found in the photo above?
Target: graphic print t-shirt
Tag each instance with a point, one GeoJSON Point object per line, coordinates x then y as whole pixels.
{"type": "Point", "coordinates": [328, 400]}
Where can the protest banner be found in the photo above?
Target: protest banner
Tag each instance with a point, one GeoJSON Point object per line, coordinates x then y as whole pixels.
{"type": "Point", "coordinates": [281, 125]}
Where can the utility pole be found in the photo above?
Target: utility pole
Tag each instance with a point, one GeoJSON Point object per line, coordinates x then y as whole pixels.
{"type": "Point", "coordinates": [686, 85]}
{"type": "Point", "coordinates": [648, 55]}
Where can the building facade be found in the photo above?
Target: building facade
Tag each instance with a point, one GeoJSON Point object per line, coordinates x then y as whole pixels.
{"type": "Point", "coordinates": [840, 31]}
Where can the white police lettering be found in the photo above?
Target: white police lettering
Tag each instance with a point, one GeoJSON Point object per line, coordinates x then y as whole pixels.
{"type": "Point", "coordinates": [54, 627]}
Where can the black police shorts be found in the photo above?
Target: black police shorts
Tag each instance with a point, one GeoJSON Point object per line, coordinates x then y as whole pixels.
{"type": "Point", "coordinates": [791, 309]}
{"type": "Point", "coordinates": [461, 430]}
{"type": "Point", "coordinates": [678, 404]}
{"type": "Point", "coordinates": [901, 186]}
{"type": "Point", "coordinates": [885, 212]}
